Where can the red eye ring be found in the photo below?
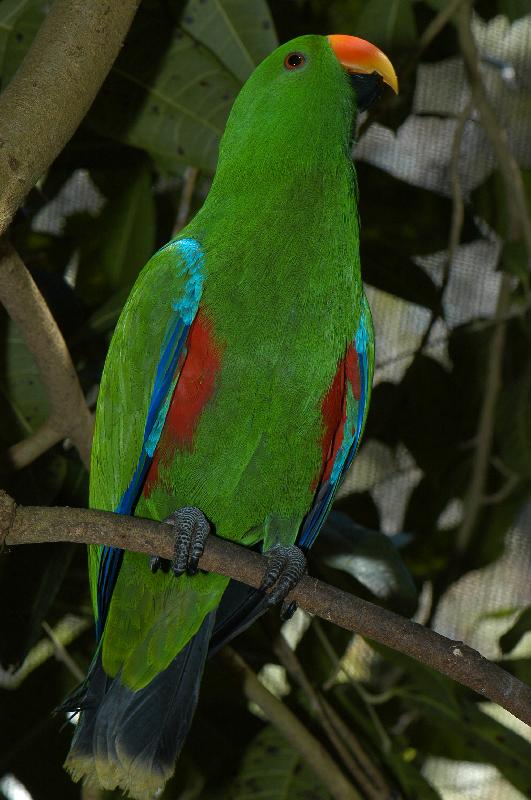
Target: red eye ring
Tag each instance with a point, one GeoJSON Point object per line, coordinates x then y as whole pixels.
{"type": "Point", "coordinates": [294, 61]}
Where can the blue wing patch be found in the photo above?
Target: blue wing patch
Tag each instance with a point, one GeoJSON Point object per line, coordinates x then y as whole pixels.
{"type": "Point", "coordinates": [356, 414]}
{"type": "Point", "coordinates": [190, 255]}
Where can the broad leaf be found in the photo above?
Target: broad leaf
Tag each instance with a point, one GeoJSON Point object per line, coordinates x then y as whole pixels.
{"type": "Point", "coordinates": [239, 34]}
{"type": "Point", "coordinates": [122, 238]}
{"type": "Point", "coordinates": [387, 23]}
{"type": "Point", "coordinates": [510, 639]}
{"type": "Point", "coordinates": [19, 22]}
{"type": "Point", "coordinates": [368, 556]}
{"type": "Point", "coordinates": [170, 92]}
{"type": "Point", "coordinates": [272, 770]}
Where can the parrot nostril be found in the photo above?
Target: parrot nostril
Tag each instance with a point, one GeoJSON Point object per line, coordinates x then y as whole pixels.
{"type": "Point", "coordinates": [294, 61]}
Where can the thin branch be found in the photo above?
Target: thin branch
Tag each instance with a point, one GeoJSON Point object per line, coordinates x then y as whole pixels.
{"type": "Point", "coordinates": [64, 633]}
{"type": "Point", "coordinates": [309, 748]}
{"type": "Point", "coordinates": [456, 226]}
{"type": "Point", "coordinates": [519, 219]}
{"type": "Point", "coordinates": [354, 757]}
{"type": "Point", "coordinates": [61, 653]}
{"type": "Point", "coordinates": [426, 38]}
{"type": "Point", "coordinates": [69, 415]}
{"type": "Point", "coordinates": [485, 431]}
{"type": "Point", "coordinates": [189, 181]}
{"type": "Point", "coordinates": [431, 31]}
{"type": "Point", "coordinates": [32, 524]}
{"type": "Point", "coordinates": [29, 449]}
{"type": "Point", "coordinates": [53, 89]}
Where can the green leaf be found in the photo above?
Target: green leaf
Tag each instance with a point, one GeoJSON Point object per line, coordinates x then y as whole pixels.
{"type": "Point", "coordinates": [387, 23]}
{"type": "Point", "coordinates": [514, 9]}
{"type": "Point", "coordinates": [368, 556]}
{"type": "Point", "coordinates": [480, 738]}
{"type": "Point", "coordinates": [514, 259]}
{"type": "Point", "coordinates": [386, 268]}
{"type": "Point", "coordinates": [120, 241]}
{"type": "Point", "coordinates": [239, 34]}
{"type": "Point", "coordinates": [514, 424]}
{"type": "Point", "coordinates": [24, 401]}
{"type": "Point", "coordinates": [272, 770]}
{"type": "Point", "coordinates": [19, 22]}
{"type": "Point", "coordinates": [510, 638]}
{"type": "Point", "coordinates": [169, 93]}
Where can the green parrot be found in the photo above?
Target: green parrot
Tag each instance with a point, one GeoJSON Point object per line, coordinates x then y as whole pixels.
{"type": "Point", "coordinates": [233, 399]}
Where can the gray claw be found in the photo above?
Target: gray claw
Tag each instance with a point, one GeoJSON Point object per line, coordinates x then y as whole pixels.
{"type": "Point", "coordinates": [286, 566]}
{"type": "Point", "coordinates": [156, 563]}
{"type": "Point", "coordinates": [192, 530]}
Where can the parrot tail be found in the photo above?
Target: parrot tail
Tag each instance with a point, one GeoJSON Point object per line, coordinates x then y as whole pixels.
{"type": "Point", "coordinates": [132, 739]}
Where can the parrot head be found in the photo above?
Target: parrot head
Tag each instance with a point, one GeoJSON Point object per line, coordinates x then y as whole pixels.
{"type": "Point", "coordinates": [301, 103]}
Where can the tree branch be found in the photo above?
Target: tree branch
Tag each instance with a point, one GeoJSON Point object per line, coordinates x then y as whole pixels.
{"type": "Point", "coordinates": [32, 524]}
{"type": "Point", "coordinates": [69, 415]}
{"type": "Point", "coordinates": [352, 754]}
{"type": "Point", "coordinates": [53, 89]}
{"type": "Point", "coordinates": [300, 738]}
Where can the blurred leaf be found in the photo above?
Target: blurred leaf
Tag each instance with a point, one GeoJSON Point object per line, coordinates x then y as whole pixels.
{"type": "Point", "coordinates": [387, 23]}
{"type": "Point", "coordinates": [490, 201]}
{"type": "Point", "coordinates": [480, 738]}
{"type": "Point", "coordinates": [402, 216]}
{"type": "Point", "coordinates": [239, 34]}
{"type": "Point", "coordinates": [169, 93]}
{"type": "Point", "coordinates": [429, 414]}
{"type": "Point", "coordinates": [19, 22]}
{"type": "Point", "coordinates": [514, 260]}
{"type": "Point", "coordinates": [272, 770]}
{"type": "Point", "coordinates": [510, 639]}
{"type": "Point", "coordinates": [513, 9]}
{"type": "Point", "coordinates": [122, 238]}
{"type": "Point", "coordinates": [23, 397]}
{"type": "Point", "coordinates": [106, 315]}
{"type": "Point", "coordinates": [409, 775]}
{"type": "Point", "coordinates": [370, 557]}
{"type": "Point", "coordinates": [30, 578]}
{"type": "Point", "coordinates": [386, 268]}
{"type": "Point", "coordinates": [514, 424]}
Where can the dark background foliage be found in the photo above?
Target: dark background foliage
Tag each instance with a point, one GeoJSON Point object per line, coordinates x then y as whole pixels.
{"type": "Point", "coordinates": [410, 534]}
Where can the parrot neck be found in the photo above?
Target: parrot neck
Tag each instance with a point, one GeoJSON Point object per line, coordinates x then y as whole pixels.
{"type": "Point", "coordinates": [286, 212]}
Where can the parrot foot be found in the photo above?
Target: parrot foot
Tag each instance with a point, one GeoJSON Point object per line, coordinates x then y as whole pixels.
{"type": "Point", "coordinates": [192, 529]}
{"type": "Point", "coordinates": [285, 568]}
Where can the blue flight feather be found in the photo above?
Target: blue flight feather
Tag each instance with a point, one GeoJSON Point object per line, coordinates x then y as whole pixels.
{"type": "Point", "coordinates": [189, 254]}
{"type": "Point", "coordinates": [352, 431]}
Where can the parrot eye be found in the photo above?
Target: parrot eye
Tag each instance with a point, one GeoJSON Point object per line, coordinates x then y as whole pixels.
{"type": "Point", "coordinates": [294, 61]}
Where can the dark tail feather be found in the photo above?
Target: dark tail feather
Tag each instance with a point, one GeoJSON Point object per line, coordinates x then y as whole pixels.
{"type": "Point", "coordinates": [240, 606]}
{"type": "Point", "coordinates": [132, 739]}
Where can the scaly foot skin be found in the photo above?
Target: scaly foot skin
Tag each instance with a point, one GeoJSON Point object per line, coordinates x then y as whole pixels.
{"type": "Point", "coordinates": [191, 531]}
{"type": "Point", "coordinates": [285, 568]}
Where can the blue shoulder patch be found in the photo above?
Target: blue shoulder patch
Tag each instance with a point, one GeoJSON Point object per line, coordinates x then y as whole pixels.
{"type": "Point", "coordinates": [189, 256]}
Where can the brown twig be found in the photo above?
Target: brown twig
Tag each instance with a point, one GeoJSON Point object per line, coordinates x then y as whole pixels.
{"type": "Point", "coordinates": [53, 89]}
{"type": "Point", "coordinates": [456, 226]}
{"type": "Point", "coordinates": [519, 219]}
{"type": "Point", "coordinates": [32, 524]}
{"type": "Point", "coordinates": [310, 749]}
{"type": "Point", "coordinates": [189, 182]}
{"type": "Point", "coordinates": [426, 38]}
{"type": "Point", "coordinates": [352, 754]}
{"type": "Point", "coordinates": [62, 654]}
{"type": "Point", "coordinates": [474, 500]}
{"type": "Point", "coordinates": [69, 415]}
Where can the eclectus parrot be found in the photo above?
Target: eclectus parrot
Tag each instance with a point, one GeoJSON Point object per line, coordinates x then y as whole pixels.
{"type": "Point", "coordinates": [234, 397]}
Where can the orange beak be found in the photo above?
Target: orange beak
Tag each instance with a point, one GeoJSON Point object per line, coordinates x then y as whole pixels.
{"type": "Point", "coordinates": [357, 55]}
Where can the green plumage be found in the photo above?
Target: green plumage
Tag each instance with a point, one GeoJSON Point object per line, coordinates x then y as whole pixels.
{"type": "Point", "coordinates": [282, 299]}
